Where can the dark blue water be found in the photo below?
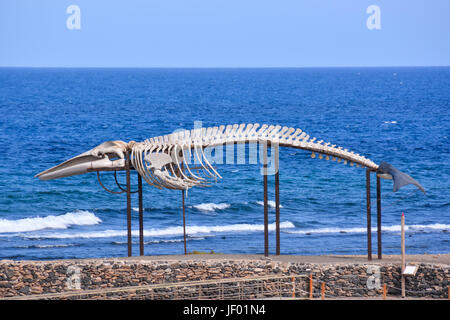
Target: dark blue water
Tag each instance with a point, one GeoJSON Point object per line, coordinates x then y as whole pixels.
{"type": "Point", "coordinates": [398, 115]}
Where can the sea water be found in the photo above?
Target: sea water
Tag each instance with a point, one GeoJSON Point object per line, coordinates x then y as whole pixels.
{"type": "Point", "coordinates": [397, 115]}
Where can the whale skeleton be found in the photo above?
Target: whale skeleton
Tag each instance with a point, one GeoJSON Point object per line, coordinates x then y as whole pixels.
{"type": "Point", "coordinates": [163, 161]}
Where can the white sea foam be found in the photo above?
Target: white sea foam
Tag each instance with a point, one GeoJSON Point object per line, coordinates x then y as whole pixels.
{"type": "Point", "coordinates": [162, 241]}
{"type": "Point", "coordinates": [77, 218]}
{"type": "Point", "coordinates": [45, 246]}
{"type": "Point", "coordinates": [271, 203]}
{"type": "Point", "coordinates": [390, 122]}
{"type": "Point", "coordinates": [170, 231]}
{"type": "Point", "coordinates": [394, 228]}
{"type": "Point", "coordinates": [211, 207]}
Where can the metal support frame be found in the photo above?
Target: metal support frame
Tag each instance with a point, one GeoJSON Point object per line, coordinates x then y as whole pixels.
{"type": "Point", "coordinates": [266, 204]}
{"type": "Point", "coordinates": [379, 217]}
{"type": "Point", "coordinates": [369, 225]}
{"type": "Point", "coordinates": [184, 221]}
{"type": "Point", "coordinates": [277, 200]}
{"type": "Point", "coordinates": [127, 169]}
{"type": "Point", "coordinates": [265, 145]}
{"type": "Point", "coordinates": [141, 217]}
{"type": "Point", "coordinates": [127, 190]}
{"type": "Point", "coordinates": [403, 254]}
{"type": "Point", "coordinates": [122, 190]}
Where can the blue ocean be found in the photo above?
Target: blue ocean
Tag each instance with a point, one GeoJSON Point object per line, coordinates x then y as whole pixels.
{"type": "Point", "coordinates": [397, 115]}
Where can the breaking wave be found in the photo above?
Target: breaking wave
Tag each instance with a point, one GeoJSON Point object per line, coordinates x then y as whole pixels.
{"type": "Point", "coordinates": [211, 207]}
{"type": "Point", "coordinates": [75, 218]}
{"type": "Point", "coordinates": [170, 231]}
{"type": "Point", "coordinates": [271, 203]}
{"type": "Point", "coordinates": [395, 228]}
{"type": "Point", "coordinates": [46, 246]}
{"type": "Point", "coordinates": [163, 241]}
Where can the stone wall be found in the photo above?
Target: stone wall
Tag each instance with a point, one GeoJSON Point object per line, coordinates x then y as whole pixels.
{"type": "Point", "coordinates": [22, 278]}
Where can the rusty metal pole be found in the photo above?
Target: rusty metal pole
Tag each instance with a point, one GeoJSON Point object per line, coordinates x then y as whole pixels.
{"type": "Point", "coordinates": [322, 290]}
{"type": "Point", "coordinates": [266, 205]}
{"type": "Point", "coordinates": [369, 223]}
{"type": "Point", "coordinates": [127, 168]}
{"type": "Point", "coordinates": [293, 287]}
{"type": "Point", "coordinates": [379, 217]}
{"type": "Point", "coordinates": [141, 217]}
{"type": "Point", "coordinates": [403, 254]}
{"type": "Point", "coordinates": [184, 222]}
{"type": "Point", "coordinates": [277, 201]}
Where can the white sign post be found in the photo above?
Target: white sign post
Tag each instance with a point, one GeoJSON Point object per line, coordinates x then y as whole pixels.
{"type": "Point", "coordinates": [403, 255]}
{"type": "Point", "coordinates": [406, 270]}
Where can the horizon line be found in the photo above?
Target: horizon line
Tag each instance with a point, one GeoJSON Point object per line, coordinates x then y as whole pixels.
{"type": "Point", "coordinates": [217, 67]}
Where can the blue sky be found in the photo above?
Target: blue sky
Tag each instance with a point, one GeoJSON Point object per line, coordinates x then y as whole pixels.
{"type": "Point", "coordinates": [224, 33]}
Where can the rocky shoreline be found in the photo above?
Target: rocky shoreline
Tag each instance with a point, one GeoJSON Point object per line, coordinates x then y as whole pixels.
{"type": "Point", "coordinates": [25, 278]}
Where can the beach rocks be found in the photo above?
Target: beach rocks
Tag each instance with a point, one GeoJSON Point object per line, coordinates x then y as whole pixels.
{"type": "Point", "coordinates": [18, 278]}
